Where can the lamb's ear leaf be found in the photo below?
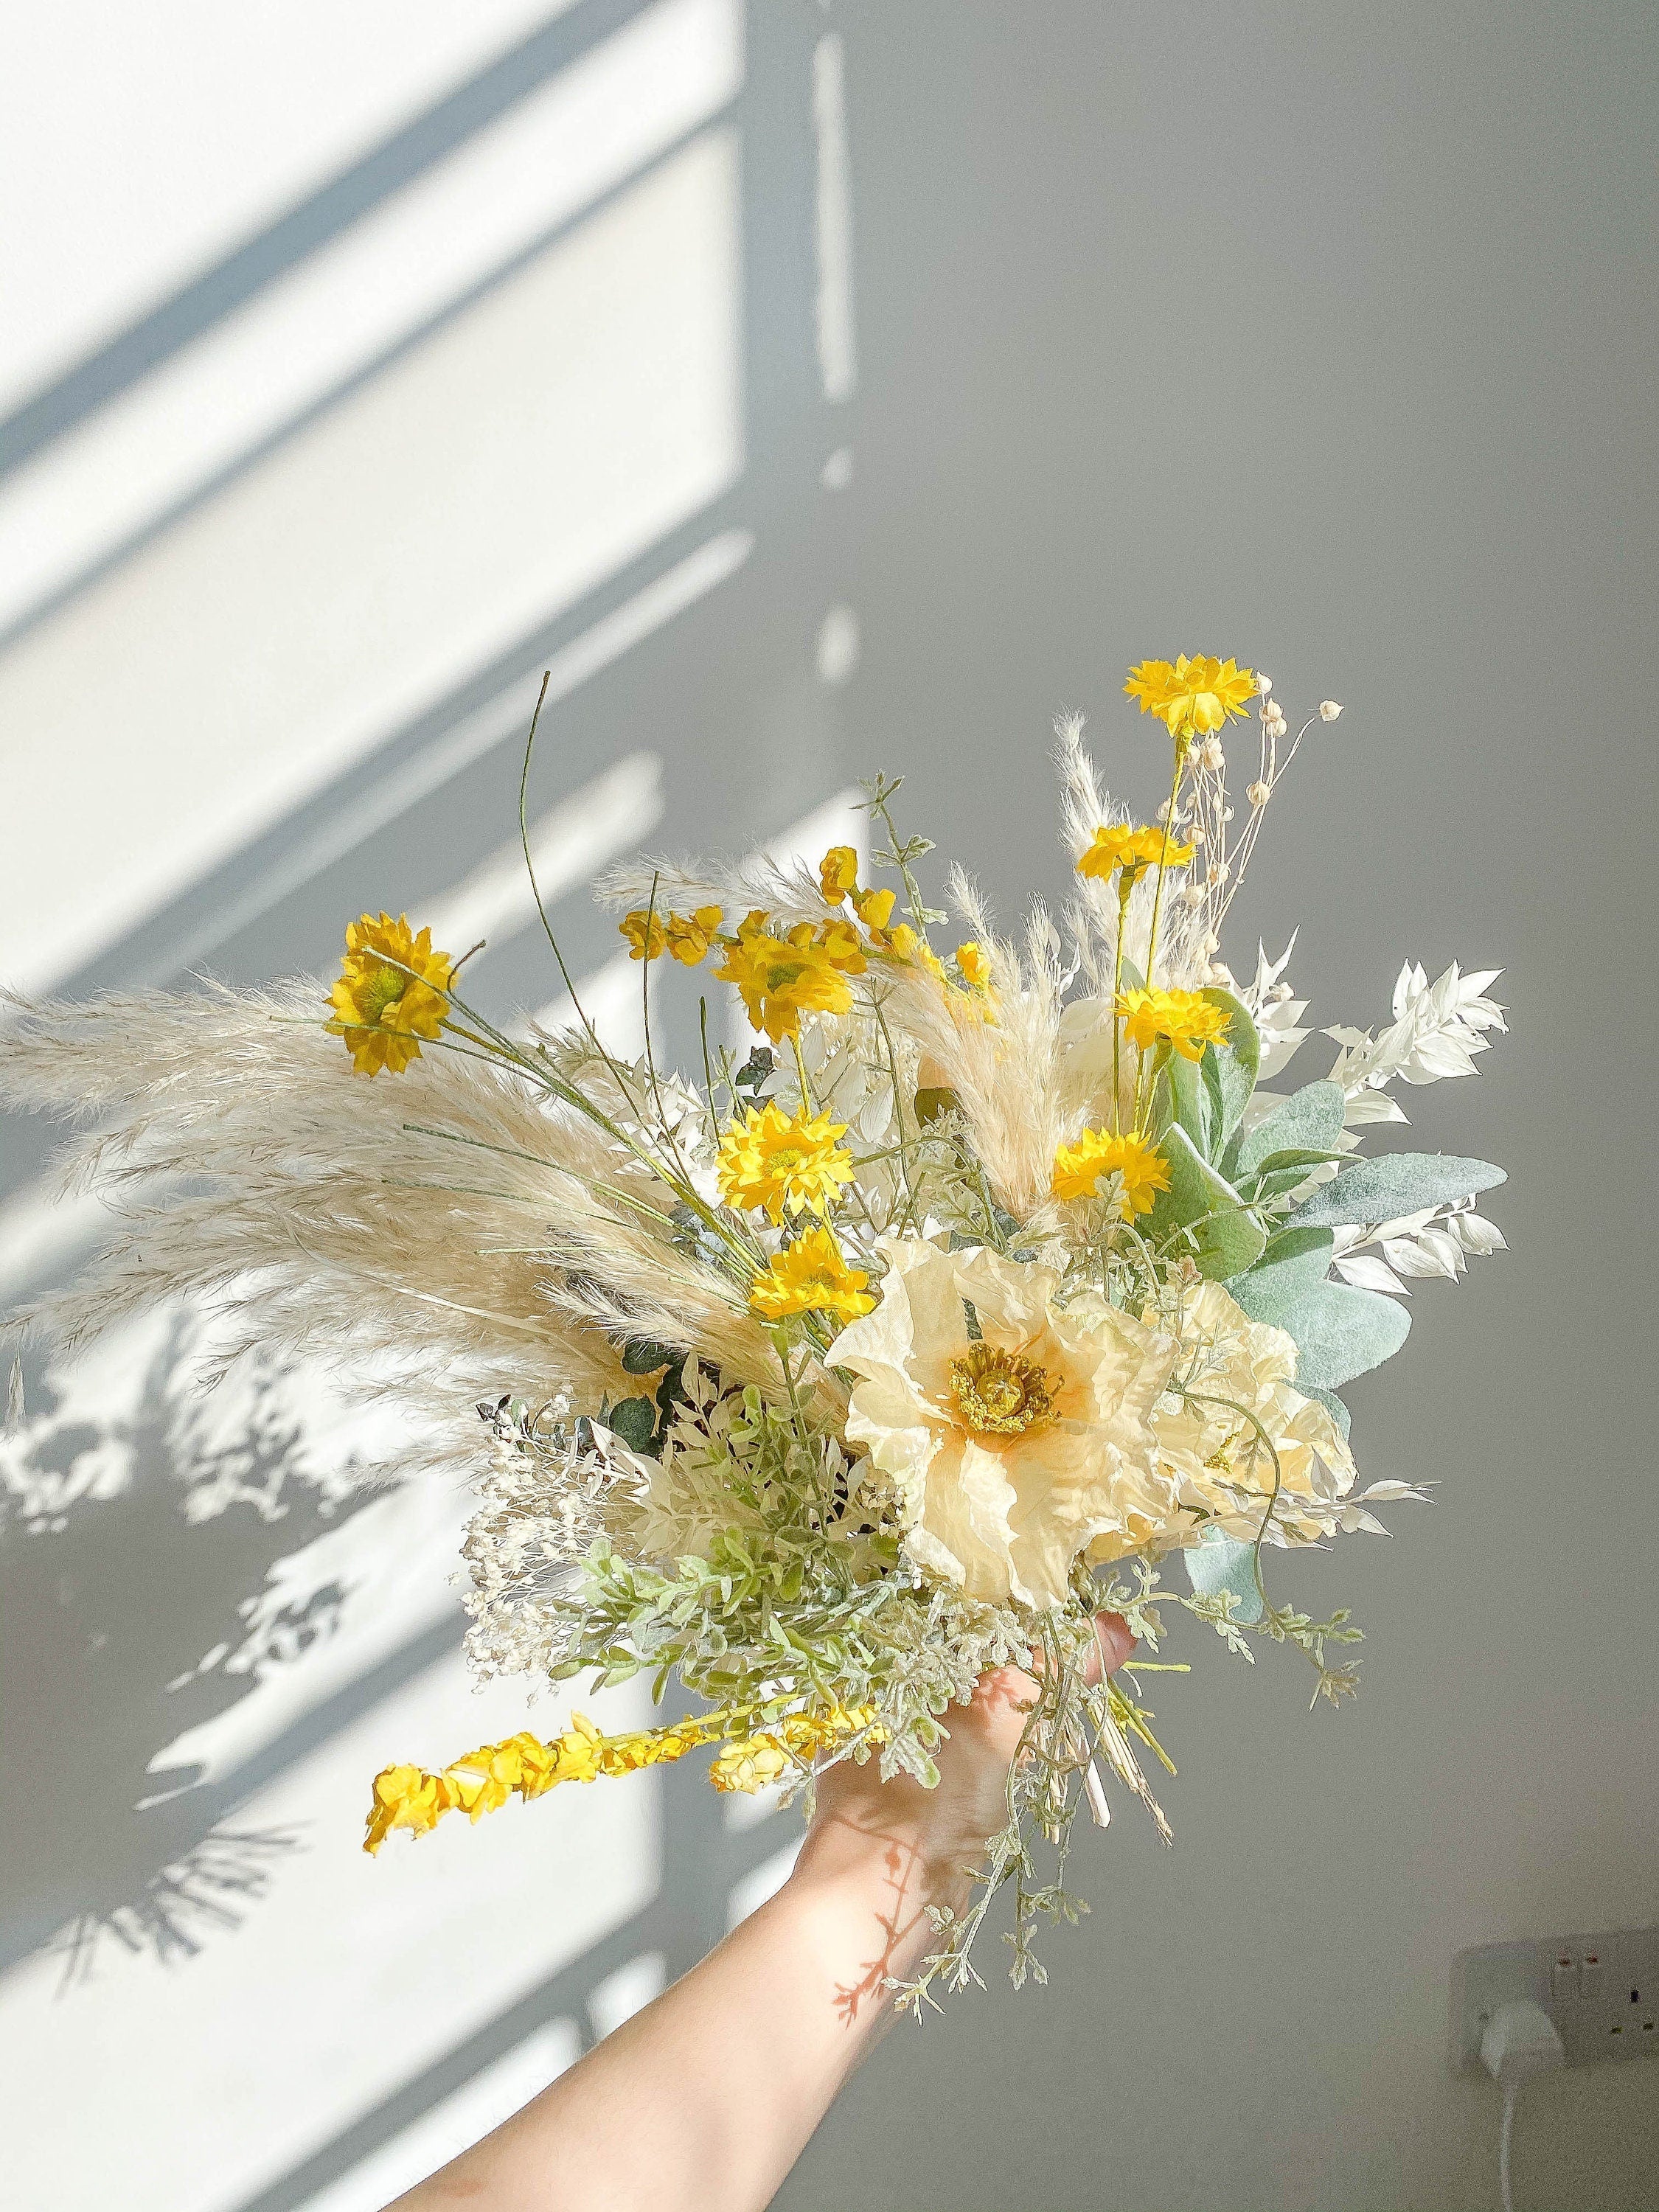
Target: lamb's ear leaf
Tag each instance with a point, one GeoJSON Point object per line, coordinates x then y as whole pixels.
{"type": "Point", "coordinates": [1333, 1405]}
{"type": "Point", "coordinates": [1224, 1236]}
{"type": "Point", "coordinates": [1340, 1332]}
{"type": "Point", "coordinates": [1393, 1184]}
{"type": "Point", "coordinates": [1293, 1263]}
{"type": "Point", "coordinates": [1188, 1104]}
{"type": "Point", "coordinates": [1219, 1563]}
{"type": "Point", "coordinates": [1310, 1120]}
{"type": "Point", "coordinates": [1230, 1069]}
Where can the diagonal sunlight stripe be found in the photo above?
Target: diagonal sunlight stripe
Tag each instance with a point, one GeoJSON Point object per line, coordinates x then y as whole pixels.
{"type": "Point", "coordinates": [400, 85]}
{"type": "Point", "coordinates": [568, 846]}
{"type": "Point", "coordinates": [592, 127]}
{"type": "Point", "coordinates": [586, 656]}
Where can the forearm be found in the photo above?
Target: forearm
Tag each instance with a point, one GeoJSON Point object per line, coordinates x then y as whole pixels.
{"type": "Point", "coordinates": [706, 2098]}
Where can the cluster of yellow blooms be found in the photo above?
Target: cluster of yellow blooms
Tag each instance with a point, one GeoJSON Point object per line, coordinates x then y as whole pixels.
{"type": "Point", "coordinates": [782, 974]}
{"type": "Point", "coordinates": [524, 1766]}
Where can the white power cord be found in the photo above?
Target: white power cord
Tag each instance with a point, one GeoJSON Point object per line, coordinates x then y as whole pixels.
{"type": "Point", "coordinates": [1520, 2041]}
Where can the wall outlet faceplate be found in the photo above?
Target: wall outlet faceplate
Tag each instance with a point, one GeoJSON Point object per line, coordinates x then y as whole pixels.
{"type": "Point", "coordinates": [1602, 1992]}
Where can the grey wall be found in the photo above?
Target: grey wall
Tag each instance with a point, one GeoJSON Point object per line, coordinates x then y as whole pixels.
{"type": "Point", "coordinates": [1323, 335]}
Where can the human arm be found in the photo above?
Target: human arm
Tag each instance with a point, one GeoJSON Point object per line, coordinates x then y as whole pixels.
{"type": "Point", "coordinates": [703, 2101]}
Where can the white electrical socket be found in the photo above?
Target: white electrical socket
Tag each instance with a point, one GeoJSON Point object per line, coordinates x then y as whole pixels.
{"type": "Point", "coordinates": [1602, 1992]}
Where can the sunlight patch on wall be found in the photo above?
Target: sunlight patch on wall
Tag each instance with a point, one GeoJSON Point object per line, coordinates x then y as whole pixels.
{"type": "Point", "coordinates": [282, 631]}
{"type": "Point", "coordinates": [554, 153]}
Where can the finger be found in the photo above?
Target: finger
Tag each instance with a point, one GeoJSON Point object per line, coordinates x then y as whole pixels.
{"type": "Point", "coordinates": [1114, 1640]}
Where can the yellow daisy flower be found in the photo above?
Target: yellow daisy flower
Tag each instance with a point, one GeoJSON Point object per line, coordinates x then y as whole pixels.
{"type": "Point", "coordinates": [773, 1159]}
{"type": "Point", "coordinates": [1182, 1018]}
{"type": "Point", "coordinates": [783, 979]}
{"type": "Point", "coordinates": [838, 873]}
{"type": "Point", "coordinates": [1079, 1167]}
{"type": "Point", "coordinates": [810, 1276]}
{"type": "Point", "coordinates": [392, 993]}
{"type": "Point", "coordinates": [1116, 846]}
{"type": "Point", "coordinates": [1192, 697]}
{"type": "Point", "coordinates": [689, 936]}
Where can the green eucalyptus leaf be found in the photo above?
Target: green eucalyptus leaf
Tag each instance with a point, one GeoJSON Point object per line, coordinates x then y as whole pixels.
{"type": "Point", "coordinates": [635, 1420]}
{"type": "Point", "coordinates": [1219, 1563]}
{"type": "Point", "coordinates": [1225, 1236]}
{"type": "Point", "coordinates": [644, 1358]}
{"type": "Point", "coordinates": [1338, 1332]}
{"type": "Point", "coordinates": [1396, 1184]}
{"type": "Point", "coordinates": [1241, 1031]}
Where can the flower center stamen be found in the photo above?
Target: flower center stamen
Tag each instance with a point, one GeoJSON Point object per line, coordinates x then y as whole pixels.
{"type": "Point", "coordinates": [998, 1394]}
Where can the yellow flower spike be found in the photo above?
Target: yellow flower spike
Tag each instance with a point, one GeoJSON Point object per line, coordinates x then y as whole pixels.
{"type": "Point", "coordinates": [405, 1797]}
{"type": "Point", "coordinates": [1117, 847]}
{"type": "Point", "coordinates": [838, 873]}
{"type": "Point", "coordinates": [874, 909]}
{"type": "Point", "coordinates": [1079, 1168]}
{"type": "Point", "coordinates": [393, 991]}
{"type": "Point", "coordinates": [646, 934]}
{"type": "Point", "coordinates": [751, 1764]}
{"type": "Point", "coordinates": [1182, 1018]}
{"type": "Point", "coordinates": [841, 947]}
{"type": "Point", "coordinates": [810, 1276]}
{"type": "Point", "coordinates": [975, 966]}
{"type": "Point", "coordinates": [1192, 697]}
{"type": "Point", "coordinates": [773, 1160]}
{"type": "Point", "coordinates": [689, 936]}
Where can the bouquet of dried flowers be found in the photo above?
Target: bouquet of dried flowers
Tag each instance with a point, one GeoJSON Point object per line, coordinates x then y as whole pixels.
{"type": "Point", "coordinates": [817, 1382]}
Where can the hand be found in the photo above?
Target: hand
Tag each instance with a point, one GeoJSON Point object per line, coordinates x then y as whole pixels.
{"type": "Point", "coordinates": [919, 1847]}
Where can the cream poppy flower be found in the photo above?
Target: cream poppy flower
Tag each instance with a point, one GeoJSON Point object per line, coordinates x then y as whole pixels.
{"type": "Point", "coordinates": [1012, 1452]}
{"type": "Point", "coordinates": [1218, 1458]}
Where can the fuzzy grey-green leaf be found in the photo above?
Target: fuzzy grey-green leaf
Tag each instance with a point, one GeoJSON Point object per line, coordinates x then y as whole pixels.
{"type": "Point", "coordinates": [1225, 1239]}
{"type": "Point", "coordinates": [1397, 1184]}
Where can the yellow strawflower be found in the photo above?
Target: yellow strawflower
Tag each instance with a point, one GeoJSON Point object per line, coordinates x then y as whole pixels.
{"type": "Point", "coordinates": [773, 1159]}
{"type": "Point", "coordinates": [1182, 1018]}
{"type": "Point", "coordinates": [1192, 697]}
{"type": "Point", "coordinates": [689, 936]}
{"type": "Point", "coordinates": [838, 873]}
{"type": "Point", "coordinates": [1079, 1167]}
{"type": "Point", "coordinates": [1117, 846]}
{"type": "Point", "coordinates": [810, 1276]}
{"type": "Point", "coordinates": [873, 909]}
{"type": "Point", "coordinates": [391, 993]}
{"type": "Point", "coordinates": [781, 979]}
